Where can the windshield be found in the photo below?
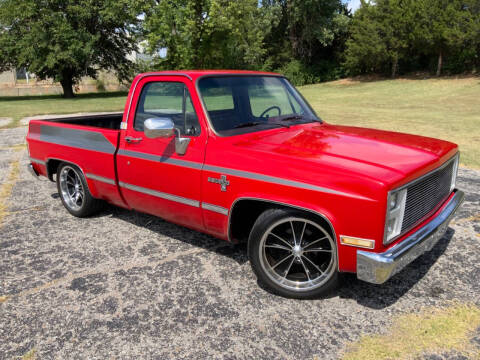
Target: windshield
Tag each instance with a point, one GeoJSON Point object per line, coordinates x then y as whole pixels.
{"type": "Point", "coordinates": [240, 104]}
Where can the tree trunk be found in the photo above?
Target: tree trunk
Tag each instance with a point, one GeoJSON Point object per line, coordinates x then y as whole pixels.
{"type": "Point", "coordinates": [394, 67]}
{"type": "Point", "coordinates": [440, 63]}
{"type": "Point", "coordinates": [67, 86]}
{"type": "Point", "coordinates": [294, 41]}
{"type": "Point", "coordinates": [197, 34]}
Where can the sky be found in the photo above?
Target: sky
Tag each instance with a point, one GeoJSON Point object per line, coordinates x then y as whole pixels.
{"type": "Point", "coordinates": [353, 4]}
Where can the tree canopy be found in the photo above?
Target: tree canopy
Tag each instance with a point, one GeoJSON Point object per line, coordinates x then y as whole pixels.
{"type": "Point", "coordinates": [67, 39]}
{"type": "Point", "coordinates": [307, 40]}
{"type": "Point", "coordinates": [413, 33]}
{"type": "Point", "coordinates": [207, 33]}
{"type": "Point", "coordinates": [307, 43]}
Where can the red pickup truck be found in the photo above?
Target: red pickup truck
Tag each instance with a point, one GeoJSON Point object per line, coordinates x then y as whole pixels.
{"type": "Point", "coordinates": [242, 156]}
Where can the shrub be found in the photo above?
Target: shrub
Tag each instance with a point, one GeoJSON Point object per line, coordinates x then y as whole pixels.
{"type": "Point", "coordinates": [300, 74]}
{"type": "Point", "coordinates": [100, 85]}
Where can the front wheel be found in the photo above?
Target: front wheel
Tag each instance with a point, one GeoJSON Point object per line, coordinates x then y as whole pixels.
{"type": "Point", "coordinates": [73, 190]}
{"type": "Point", "coordinates": [292, 254]}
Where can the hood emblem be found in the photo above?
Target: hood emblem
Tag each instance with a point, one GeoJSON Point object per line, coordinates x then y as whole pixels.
{"type": "Point", "coordinates": [222, 181]}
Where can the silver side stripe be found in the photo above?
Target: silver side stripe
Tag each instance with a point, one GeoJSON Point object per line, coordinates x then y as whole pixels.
{"type": "Point", "coordinates": [222, 170]}
{"type": "Point", "coordinates": [215, 208]}
{"type": "Point", "coordinates": [100, 178]}
{"type": "Point", "coordinates": [81, 139]}
{"type": "Point", "coordinates": [273, 179]}
{"type": "Point", "coordinates": [38, 161]}
{"type": "Point", "coordinates": [161, 195]}
{"type": "Point", "coordinates": [179, 199]}
{"type": "Point", "coordinates": [162, 159]}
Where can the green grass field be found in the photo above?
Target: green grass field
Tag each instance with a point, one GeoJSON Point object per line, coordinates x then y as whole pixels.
{"type": "Point", "coordinates": [23, 106]}
{"type": "Point", "coordinates": [445, 108]}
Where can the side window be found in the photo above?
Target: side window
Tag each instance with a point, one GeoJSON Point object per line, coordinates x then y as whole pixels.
{"type": "Point", "coordinates": [167, 99]}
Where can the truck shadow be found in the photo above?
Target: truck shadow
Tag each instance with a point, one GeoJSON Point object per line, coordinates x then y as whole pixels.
{"type": "Point", "coordinates": [385, 295]}
{"type": "Point", "coordinates": [236, 252]}
{"type": "Point", "coordinates": [369, 295]}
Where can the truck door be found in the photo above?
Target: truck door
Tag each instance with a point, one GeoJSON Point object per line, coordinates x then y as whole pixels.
{"type": "Point", "coordinates": [153, 178]}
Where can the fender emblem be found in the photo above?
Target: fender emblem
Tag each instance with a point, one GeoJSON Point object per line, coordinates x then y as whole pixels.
{"type": "Point", "coordinates": [222, 181]}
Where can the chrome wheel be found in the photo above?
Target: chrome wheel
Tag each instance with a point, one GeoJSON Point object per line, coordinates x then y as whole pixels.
{"type": "Point", "coordinates": [297, 254]}
{"type": "Point", "coordinates": [71, 188]}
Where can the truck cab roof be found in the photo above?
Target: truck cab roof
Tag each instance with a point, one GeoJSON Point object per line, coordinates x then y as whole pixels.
{"type": "Point", "coordinates": [194, 74]}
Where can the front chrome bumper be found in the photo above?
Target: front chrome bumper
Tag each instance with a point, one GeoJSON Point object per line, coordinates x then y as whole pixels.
{"type": "Point", "coordinates": [377, 268]}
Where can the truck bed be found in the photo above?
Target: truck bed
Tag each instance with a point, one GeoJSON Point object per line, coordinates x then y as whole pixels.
{"type": "Point", "coordinates": [104, 121]}
{"type": "Point", "coordinates": [90, 142]}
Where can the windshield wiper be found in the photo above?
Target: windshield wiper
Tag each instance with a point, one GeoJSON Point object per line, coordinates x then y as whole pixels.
{"type": "Point", "coordinates": [300, 117]}
{"type": "Point", "coordinates": [255, 123]}
{"type": "Point", "coordinates": [247, 124]}
{"type": "Point", "coordinates": [293, 117]}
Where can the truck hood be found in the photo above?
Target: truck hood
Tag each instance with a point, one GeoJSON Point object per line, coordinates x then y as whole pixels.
{"type": "Point", "coordinates": [378, 154]}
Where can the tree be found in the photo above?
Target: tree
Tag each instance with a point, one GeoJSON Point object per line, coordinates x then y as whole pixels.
{"type": "Point", "coordinates": [366, 49]}
{"type": "Point", "coordinates": [446, 27]}
{"type": "Point", "coordinates": [312, 25]}
{"type": "Point", "coordinates": [308, 41]}
{"type": "Point", "coordinates": [207, 33]}
{"type": "Point", "coordinates": [309, 27]}
{"type": "Point", "coordinates": [67, 39]}
{"type": "Point", "coordinates": [386, 33]}
{"type": "Point", "coordinates": [397, 21]}
{"type": "Point", "coordinates": [381, 36]}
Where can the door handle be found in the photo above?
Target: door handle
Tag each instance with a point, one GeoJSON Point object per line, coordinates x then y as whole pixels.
{"type": "Point", "coordinates": [131, 139]}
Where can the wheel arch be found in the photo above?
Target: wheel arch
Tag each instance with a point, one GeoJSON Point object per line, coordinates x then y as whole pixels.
{"type": "Point", "coordinates": [52, 166]}
{"type": "Point", "coordinates": [238, 228]}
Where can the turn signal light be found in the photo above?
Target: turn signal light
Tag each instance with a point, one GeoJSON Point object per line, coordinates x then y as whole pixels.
{"type": "Point", "coordinates": [352, 241]}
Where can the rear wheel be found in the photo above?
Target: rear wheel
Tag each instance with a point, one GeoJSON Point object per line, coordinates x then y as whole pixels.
{"type": "Point", "coordinates": [293, 254]}
{"type": "Point", "coordinates": [73, 190]}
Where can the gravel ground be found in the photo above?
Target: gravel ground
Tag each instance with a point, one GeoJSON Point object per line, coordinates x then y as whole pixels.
{"type": "Point", "coordinates": [125, 285]}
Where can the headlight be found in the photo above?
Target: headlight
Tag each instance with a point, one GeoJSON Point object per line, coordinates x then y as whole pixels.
{"type": "Point", "coordinates": [454, 173]}
{"type": "Point", "coordinates": [395, 211]}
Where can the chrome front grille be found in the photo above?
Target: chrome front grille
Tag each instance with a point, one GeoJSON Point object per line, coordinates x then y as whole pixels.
{"type": "Point", "coordinates": [426, 193]}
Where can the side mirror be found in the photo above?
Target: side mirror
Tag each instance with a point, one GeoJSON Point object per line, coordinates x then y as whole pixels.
{"type": "Point", "coordinates": [164, 128]}
{"type": "Point", "coordinates": [158, 127]}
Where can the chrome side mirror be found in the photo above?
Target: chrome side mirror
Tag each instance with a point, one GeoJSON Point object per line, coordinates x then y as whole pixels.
{"type": "Point", "coordinates": [158, 127]}
{"type": "Point", "coordinates": [164, 128]}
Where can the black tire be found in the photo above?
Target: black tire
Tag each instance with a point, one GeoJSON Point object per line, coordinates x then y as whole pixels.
{"type": "Point", "coordinates": [262, 245]}
{"type": "Point", "coordinates": [88, 204]}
